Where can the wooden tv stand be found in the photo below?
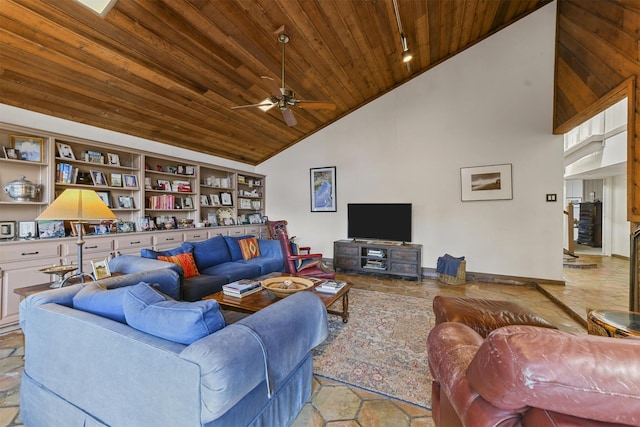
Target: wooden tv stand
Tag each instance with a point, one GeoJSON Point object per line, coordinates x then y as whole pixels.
{"type": "Point", "coordinates": [378, 257]}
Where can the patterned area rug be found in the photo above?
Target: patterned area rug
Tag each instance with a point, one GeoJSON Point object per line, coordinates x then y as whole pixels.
{"type": "Point", "coordinates": [383, 347]}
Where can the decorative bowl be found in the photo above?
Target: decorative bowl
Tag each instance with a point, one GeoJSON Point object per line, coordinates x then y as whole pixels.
{"type": "Point", "coordinates": [286, 285]}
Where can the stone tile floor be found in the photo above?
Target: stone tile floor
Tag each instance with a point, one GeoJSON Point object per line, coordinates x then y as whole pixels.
{"type": "Point", "coordinates": [334, 404]}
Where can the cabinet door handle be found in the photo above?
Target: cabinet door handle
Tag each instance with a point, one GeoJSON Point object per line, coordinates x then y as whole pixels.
{"type": "Point", "coordinates": [30, 253]}
{"type": "Point", "coordinates": [195, 236]}
{"type": "Point", "coordinates": [134, 243]}
{"type": "Point", "coordinates": [90, 247]}
{"type": "Point", "coordinates": [170, 239]}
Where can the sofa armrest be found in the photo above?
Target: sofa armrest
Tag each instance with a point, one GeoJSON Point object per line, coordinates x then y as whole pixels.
{"type": "Point", "coordinates": [134, 264]}
{"type": "Point", "coordinates": [165, 280]}
{"type": "Point", "coordinates": [581, 375]}
{"type": "Point", "coordinates": [266, 346]}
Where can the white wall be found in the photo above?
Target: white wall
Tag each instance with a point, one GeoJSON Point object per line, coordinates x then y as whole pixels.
{"type": "Point", "coordinates": [621, 229]}
{"type": "Point", "coordinates": [491, 104]}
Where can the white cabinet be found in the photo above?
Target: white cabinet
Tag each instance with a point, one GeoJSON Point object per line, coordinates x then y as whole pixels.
{"type": "Point", "coordinates": [131, 243]}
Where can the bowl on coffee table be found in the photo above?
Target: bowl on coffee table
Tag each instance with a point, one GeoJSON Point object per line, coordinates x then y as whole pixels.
{"type": "Point", "coordinates": [286, 285]}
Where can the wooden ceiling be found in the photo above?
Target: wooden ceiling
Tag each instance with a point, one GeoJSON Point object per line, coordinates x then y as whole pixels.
{"type": "Point", "coordinates": [170, 70]}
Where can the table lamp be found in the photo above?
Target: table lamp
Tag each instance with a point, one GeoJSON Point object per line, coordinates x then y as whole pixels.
{"type": "Point", "coordinates": [80, 206]}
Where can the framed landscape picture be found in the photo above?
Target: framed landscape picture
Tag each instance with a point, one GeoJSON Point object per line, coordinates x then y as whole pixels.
{"type": "Point", "coordinates": [30, 148]}
{"type": "Point", "coordinates": [323, 189]}
{"type": "Point", "coordinates": [486, 183]}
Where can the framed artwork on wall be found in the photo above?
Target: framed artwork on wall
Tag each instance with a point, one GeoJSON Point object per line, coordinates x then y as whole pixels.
{"type": "Point", "coordinates": [486, 183]}
{"type": "Point", "coordinates": [30, 148]}
{"type": "Point", "coordinates": [323, 189]}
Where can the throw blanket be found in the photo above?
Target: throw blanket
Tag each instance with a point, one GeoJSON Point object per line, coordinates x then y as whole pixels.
{"type": "Point", "coordinates": [448, 265]}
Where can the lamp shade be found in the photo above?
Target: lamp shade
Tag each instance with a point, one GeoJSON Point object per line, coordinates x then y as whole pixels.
{"type": "Point", "coordinates": [77, 205]}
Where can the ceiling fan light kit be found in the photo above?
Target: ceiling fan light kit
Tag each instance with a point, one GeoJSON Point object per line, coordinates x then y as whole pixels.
{"type": "Point", "coordinates": [285, 98]}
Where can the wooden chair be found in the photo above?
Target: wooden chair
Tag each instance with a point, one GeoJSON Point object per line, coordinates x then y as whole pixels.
{"type": "Point", "coordinates": [300, 260]}
{"type": "Point", "coordinates": [274, 227]}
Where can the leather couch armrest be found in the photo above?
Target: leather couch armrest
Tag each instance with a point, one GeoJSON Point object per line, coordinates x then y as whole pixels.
{"type": "Point", "coordinates": [581, 375]}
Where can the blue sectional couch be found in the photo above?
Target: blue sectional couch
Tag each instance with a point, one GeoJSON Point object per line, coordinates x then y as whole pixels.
{"type": "Point", "coordinates": [84, 369]}
{"type": "Point", "coordinates": [219, 261]}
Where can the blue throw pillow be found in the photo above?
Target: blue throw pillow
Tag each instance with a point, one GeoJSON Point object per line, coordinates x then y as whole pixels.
{"type": "Point", "coordinates": [179, 321]}
{"type": "Point", "coordinates": [210, 252]}
{"type": "Point", "coordinates": [182, 249]}
{"type": "Point", "coordinates": [234, 246]}
{"type": "Point", "coordinates": [97, 299]}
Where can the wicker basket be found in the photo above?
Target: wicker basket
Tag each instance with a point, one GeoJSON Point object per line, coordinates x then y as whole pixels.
{"type": "Point", "coordinates": [460, 277]}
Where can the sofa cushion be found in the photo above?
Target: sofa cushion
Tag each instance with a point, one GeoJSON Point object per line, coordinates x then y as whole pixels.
{"type": "Point", "coordinates": [97, 299]}
{"type": "Point", "coordinates": [179, 321]}
{"type": "Point", "coordinates": [234, 270]}
{"type": "Point", "coordinates": [234, 247]}
{"type": "Point", "coordinates": [185, 261]}
{"type": "Point", "coordinates": [209, 252]}
{"type": "Point", "coordinates": [150, 253]}
{"type": "Point", "coordinates": [249, 248]}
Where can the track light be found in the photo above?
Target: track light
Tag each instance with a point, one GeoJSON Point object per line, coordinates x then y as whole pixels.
{"type": "Point", "coordinates": [406, 53]}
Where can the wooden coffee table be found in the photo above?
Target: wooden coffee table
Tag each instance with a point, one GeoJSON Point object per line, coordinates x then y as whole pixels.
{"type": "Point", "coordinates": [259, 300]}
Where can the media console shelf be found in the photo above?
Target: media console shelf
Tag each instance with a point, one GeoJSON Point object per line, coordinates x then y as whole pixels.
{"type": "Point", "coordinates": [376, 257]}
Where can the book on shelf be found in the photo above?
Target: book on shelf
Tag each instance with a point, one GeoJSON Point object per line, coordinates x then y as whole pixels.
{"type": "Point", "coordinates": [241, 287]}
{"type": "Point", "coordinates": [330, 286]}
{"type": "Point", "coordinates": [243, 294]}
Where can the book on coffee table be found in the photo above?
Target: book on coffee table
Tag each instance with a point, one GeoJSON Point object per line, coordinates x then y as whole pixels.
{"type": "Point", "coordinates": [330, 286]}
{"type": "Point", "coordinates": [241, 287]}
{"type": "Point", "coordinates": [243, 294]}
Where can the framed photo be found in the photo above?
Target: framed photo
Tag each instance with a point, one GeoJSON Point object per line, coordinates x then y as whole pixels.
{"type": "Point", "coordinates": [323, 189]}
{"type": "Point", "coordinates": [11, 153]}
{"type": "Point", "coordinates": [213, 220]}
{"type": "Point", "coordinates": [215, 200]}
{"type": "Point", "coordinates": [31, 148]}
{"type": "Point", "coordinates": [125, 227]}
{"type": "Point", "coordinates": [144, 223]}
{"type": "Point", "coordinates": [187, 203]}
{"type": "Point", "coordinates": [125, 202]}
{"type": "Point", "coordinates": [189, 170]}
{"type": "Point", "coordinates": [106, 197]}
{"type": "Point", "coordinates": [492, 182]}
{"type": "Point", "coordinates": [130, 181]}
{"type": "Point", "coordinates": [226, 199]}
{"type": "Point", "coordinates": [27, 230]}
{"type": "Point", "coordinates": [163, 184]}
{"type": "Point", "coordinates": [204, 200]}
{"type": "Point", "coordinates": [100, 269]}
{"type": "Point", "coordinates": [101, 229]}
{"type": "Point", "coordinates": [98, 178]}
{"type": "Point", "coordinates": [113, 159]}
{"type": "Point", "coordinates": [116, 180]}
{"type": "Point", "coordinates": [7, 229]}
{"type": "Point", "coordinates": [65, 151]}
{"type": "Point", "coordinates": [74, 228]}
{"type": "Point", "coordinates": [51, 228]}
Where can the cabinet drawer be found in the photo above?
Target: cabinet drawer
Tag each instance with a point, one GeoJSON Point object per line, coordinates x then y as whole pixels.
{"type": "Point", "coordinates": [401, 268]}
{"type": "Point", "coordinates": [168, 239]}
{"type": "Point", "coordinates": [195, 235]}
{"type": "Point", "coordinates": [347, 250]}
{"type": "Point", "coordinates": [122, 243]}
{"type": "Point", "coordinates": [412, 256]}
{"type": "Point", "coordinates": [22, 251]}
{"type": "Point", "coordinates": [346, 263]}
{"type": "Point", "coordinates": [91, 246]}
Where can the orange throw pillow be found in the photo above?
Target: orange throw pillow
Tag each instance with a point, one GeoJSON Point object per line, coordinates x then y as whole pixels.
{"type": "Point", "coordinates": [185, 261]}
{"type": "Point", "coordinates": [249, 248]}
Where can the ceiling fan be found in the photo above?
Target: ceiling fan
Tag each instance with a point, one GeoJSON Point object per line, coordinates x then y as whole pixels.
{"type": "Point", "coordinates": [284, 98]}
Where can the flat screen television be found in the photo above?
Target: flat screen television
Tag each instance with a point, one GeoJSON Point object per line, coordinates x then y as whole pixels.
{"type": "Point", "coordinates": [379, 221]}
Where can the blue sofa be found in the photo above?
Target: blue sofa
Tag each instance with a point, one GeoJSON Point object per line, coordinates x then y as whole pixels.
{"type": "Point", "coordinates": [218, 259]}
{"type": "Point", "coordinates": [82, 369]}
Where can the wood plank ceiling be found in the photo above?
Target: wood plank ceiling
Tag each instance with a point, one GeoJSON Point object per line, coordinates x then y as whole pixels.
{"type": "Point", "coordinates": [170, 70]}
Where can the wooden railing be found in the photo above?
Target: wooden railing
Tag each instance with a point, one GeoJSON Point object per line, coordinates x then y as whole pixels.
{"type": "Point", "coordinates": [571, 244]}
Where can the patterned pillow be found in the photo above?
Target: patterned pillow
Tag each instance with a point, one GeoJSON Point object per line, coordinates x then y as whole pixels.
{"type": "Point", "coordinates": [185, 261]}
{"type": "Point", "coordinates": [249, 248]}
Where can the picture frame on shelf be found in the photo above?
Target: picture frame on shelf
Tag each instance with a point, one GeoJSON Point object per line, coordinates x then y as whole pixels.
{"type": "Point", "coordinates": [101, 229]}
{"type": "Point", "coordinates": [204, 200]}
{"type": "Point", "coordinates": [125, 227]}
{"type": "Point", "coordinates": [96, 157]}
{"type": "Point", "coordinates": [189, 170]}
{"type": "Point", "coordinates": [130, 181]}
{"type": "Point", "coordinates": [180, 170]}
{"type": "Point", "coordinates": [187, 203]}
{"type": "Point", "coordinates": [113, 159]}
{"type": "Point", "coordinates": [226, 199]}
{"type": "Point", "coordinates": [323, 189]}
{"type": "Point", "coordinates": [27, 230]}
{"type": "Point", "coordinates": [171, 169]}
{"type": "Point", "coordinates": [48, 229]}
{"type": "Point", "coordinates": [106, 197]}
{"type": "Point", "coordinates": [492, 182]}
{"type": "Point", "coordinates": [215, 200]}
{"type": "Point", "coordinates": [115, 180]}
{"type": "Point", "coordinates": [163, 184]}
{"type": "Point", "coordinates": [7, 229]}
{"type": "Point", "coordinates": [31, 148]}
{"type": "Point", "coordinates": [74, 228]}
{"type": "Point", "coordinates": [11, 153]}
{"type": "Point", "coordinates": [98, 178]}
{"type": "Point", "coordinates": [144, 223]}
{"type": "Point", "coordinates": [126, 202]}
{"type": "Point", "coordinates": [100, 269]}
{"type": "Point", "coordinates": [213, 221]}
{"type": "Point", "coordinates": [65, 151]}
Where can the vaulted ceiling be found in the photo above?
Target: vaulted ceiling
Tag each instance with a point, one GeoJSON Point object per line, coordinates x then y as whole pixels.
{"type": "Point", "coordinates": [170, 70]}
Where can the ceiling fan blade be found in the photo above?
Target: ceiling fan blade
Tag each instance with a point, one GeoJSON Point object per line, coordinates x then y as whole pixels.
{"type": "Point", "coordinates": [264, 106]}
{"type": "Point", "coordinates": [289, 118]}
{"type": "Point", "coordinates": [271, 84]}
{"type": "Point", "coordinates": [315, 105]}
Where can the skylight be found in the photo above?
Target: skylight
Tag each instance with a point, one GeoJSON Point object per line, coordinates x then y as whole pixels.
{"type": "Point", "coordinates": [101, 7]}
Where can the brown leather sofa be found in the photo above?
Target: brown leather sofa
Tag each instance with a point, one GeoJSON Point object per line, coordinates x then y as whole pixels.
{"type": "Point", "coordinates": [531, 376]}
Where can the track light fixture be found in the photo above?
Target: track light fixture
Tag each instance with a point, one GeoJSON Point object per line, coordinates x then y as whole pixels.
{"type": "Point", "coordinates": [406, 53]}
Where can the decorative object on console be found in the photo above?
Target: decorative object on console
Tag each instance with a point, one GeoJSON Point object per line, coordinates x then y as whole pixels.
{"type": "Point", "coordinates": [81, 206]}
{"type": "Point", "coordinates": [486, 183]}
{"type": "Point", "coordinates": [7, 229]}
{"type": "Point", "coordinates": [323, 189]}
{"type": "Point", "coordinates": [100, 269]}
{"type": "Point", "coordinates": [60, 271]}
